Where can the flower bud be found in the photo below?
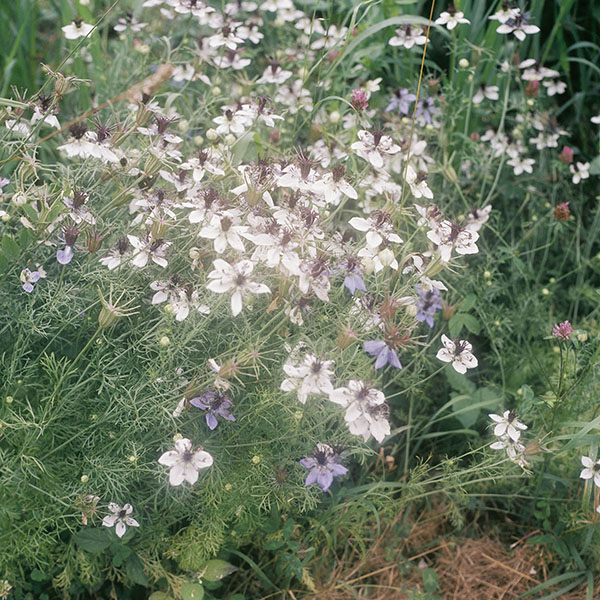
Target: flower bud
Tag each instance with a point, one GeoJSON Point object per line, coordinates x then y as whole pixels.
{"type": "Point", "coordinates": [19, 199]}
{"type": "Point", "coordinates": [346, 337]}
{"type": "Point", "coordinates": [463, 63]}
{"type": "Point", "coordinates": [335, 117]}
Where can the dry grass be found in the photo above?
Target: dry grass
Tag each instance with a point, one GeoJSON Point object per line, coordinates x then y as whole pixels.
{"type": "Point", "coordinates": [468, 569]}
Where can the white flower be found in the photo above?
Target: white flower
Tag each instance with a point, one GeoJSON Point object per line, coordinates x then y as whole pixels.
{"type": "Point", "coordinates": [408, 36]}
{"type": "Point", "coordinates": [181, 299]}
{"type": "Point", "coordinates": [376, 259]}
{"type": "Point", "coordinates": [518, 26]}
{"type": "Point", "coordinates": [373, 146]}
{"type": "Point", "coordinates": [378, 226]}
{"type": "Point", "coordinates": [458, 353]}
{"type": "Point", "coordinates": [224, 232]}
{"type": "Point", "coordinates": [592, 469]}
{"type": "Point", "coordinates": [451, 19]}
{"type": "Point", "coordinates": [184, 462]}
{"type": "Point", "coordinates": [120, 518]}
{"type": "Point", "coordinates": [477, 217]}
{"type": "Point", "coordinates": [77, 29]}
{"type": "Point", "coordinates": [85, 145]}
{"type": "Point", "coordinates": [226, 277]}
{"type": "Point", "coordinates": [448, 236]}
{"type": "Point", "coordinates": [595, 119]}
{"type": "Point", "coordinates": [521, 165]}
{"type": "Point", "coordinates": [505, 13]}
{"type": "Point", "coordinates": [232, 122]}
{"type": "Point", "coordinates": [418, 183]}
{"type": "Point", "coordinates": [311, 376]}
{"type": "Point", "coordinates": [555, 86]}
{"type": "Point", "coordinates": [332, 186]}
{"type": "Point", "coordinates": [514, 450]}
{"type": "Point", "coordinates": [156, 250]}
{"type": "Point", "coordinates": [295, 97]}
{"type": "Point", "coordinates": [129, 22]}
{"type": "Point", "coordinates": [507, 424]}
{"type": "Point", "coordinates": [580, 171]}
{"type": "Point", "coordinates": [486, 91]}
{"type": "Point", "coordinates": [275, 74]}
{"type": "Point", "coordinates": [366, 410]}
{"type": "Point", "coordinates": [205, 162]}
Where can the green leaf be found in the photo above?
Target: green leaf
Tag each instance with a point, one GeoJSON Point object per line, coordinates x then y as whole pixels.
{"type": "Point", "coordinates": [459, 382]}
{"type": "Point", "coordinates": [595, 166]}
{"type": "Point", "coordinates": [159, 596]}
{"type": "Point", "coordinates": [10, 248]}
{"type": "Point", "coordinates": [192, 591]}
{"type": "Point", "coordinates": [472, 324]}
{"type": "Point", "coordinates": [216, 569]}
{"type": "Point", "coordinates": [467, 407]}
{"type": "Point", "coordinates": [120, 553]}
{"type": "Point", "coordinates": [135, 570]}
{"type": "Point", "coordinates": [37, 575]}
{"type": "Point", "coordinates": [273, 545]}
{"type": "Point", "coordinates": [460, 320]}
{"type": "Point", "coordinates": [92, 539]}
{"type": "Point", "coordinates": [468, 302]}
{"type": "Point", "coordinates": [430, 580]}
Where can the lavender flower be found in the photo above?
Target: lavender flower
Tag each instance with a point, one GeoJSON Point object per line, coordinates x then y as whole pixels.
{"type": "Point", "coordinates": [385, 355]}
{"type": "Point", "coordinates": [426, 111]}
{"type": "Point", "coordinates": [562, 331]}
{"type": "Point", "coordinates": [324, 465]}
{"type": "Point", "coordinates": [29, 278]}
{"type": "Point", "coordinates": [65, 256]}
{"type": "Point", "coordinates": [401, 99]}
{"type": "Point", "coordinates": [353, 282]}
{"type": "Point", "coordinates": [428, 302]}
{"type": "Point", "coordinates": [353, 279]}
{"type": "Point", "coordinates": [216, 405]}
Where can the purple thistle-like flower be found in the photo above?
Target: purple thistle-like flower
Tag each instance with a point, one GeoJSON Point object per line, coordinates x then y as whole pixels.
{"type": "Point", "coordinates": [385, 355]}
{"type": "Point", "coordinates": [428, 302]}
{"type": "Point", "coordinates": [563, 330]}
{"type": "Point", "coordinates": [401, 100]}
{"type": "Point", "coordinates": [324, 465]}
{"type": "Point", "coordinates": [216, 405]}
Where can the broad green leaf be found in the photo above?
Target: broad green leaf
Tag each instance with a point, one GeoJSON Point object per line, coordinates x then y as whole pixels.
{"type": "Point", "coordinates": [38, 575]}
{"type": "Point", "coordinates": [459, 382]}
{"type": "Point", "coordinates": [468, 302]}
{"type": "Point", "coordinates": [92, 539]}
{"type": "Point", "coordinates": [216, 569]}
{"type": "Point", "coordinates": [430, 580]}
{"type": "Point", "coordinates": [10, 248]}
{"type": "Point", "coordinates": [135, 570]}
{"type": "Point", "coordinates": [192, 591]}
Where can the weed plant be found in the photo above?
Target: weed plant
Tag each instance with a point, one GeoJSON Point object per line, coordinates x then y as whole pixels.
{"type": "Point", "coordinates": [251, 254]}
